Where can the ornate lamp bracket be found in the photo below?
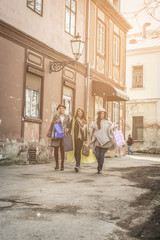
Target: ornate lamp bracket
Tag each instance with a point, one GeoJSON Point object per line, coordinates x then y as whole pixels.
{"type": "Point", "coordinates": [58, 66]}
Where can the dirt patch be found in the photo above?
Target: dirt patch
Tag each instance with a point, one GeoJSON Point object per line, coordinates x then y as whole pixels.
{"type": "Point", "coordinates": [146, 178]}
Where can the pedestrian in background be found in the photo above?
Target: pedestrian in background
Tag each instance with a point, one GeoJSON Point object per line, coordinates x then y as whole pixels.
{"type": "Point", "coordinates": [102, 137]}
{"type": "Point", "coordinates": [129, 143]}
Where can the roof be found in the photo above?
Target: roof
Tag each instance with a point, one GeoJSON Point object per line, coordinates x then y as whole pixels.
{"type": "Point", "coordinates": [143, 43]}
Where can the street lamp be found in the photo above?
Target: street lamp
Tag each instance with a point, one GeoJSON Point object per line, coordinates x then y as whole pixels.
{"type": "Point", "coordinates": [77, 45]}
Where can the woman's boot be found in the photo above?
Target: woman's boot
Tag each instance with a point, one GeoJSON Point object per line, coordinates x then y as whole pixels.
{"type": "Point", "coordinates": [56, 158]}
{"type": "Point", "coordinates": [62, 165]}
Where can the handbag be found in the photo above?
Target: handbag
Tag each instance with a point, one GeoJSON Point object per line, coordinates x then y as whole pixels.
{"type": "Point", "coordinates": [101, 137]}
{"type": "Point", "coordinates": [55, 142]}
{"type": "Point", "coordinates": [58, 130]}
{"type": "Point", "coordinates": [68, 143]}
{"type": "Point", "coordinates": [85, 150]}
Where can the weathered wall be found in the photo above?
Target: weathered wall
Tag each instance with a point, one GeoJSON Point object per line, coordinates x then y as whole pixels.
{"type": "Point", "coordinates": [151, 131]}
{"type": "Point", "coordinates": [11, 88]}
{"type": "Point", "coordinates": [52, 93]}
{"type": "Point", "coordinates": [80, 91]}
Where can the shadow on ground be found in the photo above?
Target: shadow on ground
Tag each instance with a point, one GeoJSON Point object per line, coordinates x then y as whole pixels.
{"type": "Point", "coordinates": [146, 178]}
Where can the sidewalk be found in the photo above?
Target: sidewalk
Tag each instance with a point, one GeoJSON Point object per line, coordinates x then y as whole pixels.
{"type": "Point", "coordinates": [37, 202]}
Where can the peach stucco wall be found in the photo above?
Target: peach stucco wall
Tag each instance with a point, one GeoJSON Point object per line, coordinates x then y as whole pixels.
{"type": "Point", "coordinates": [49, 28]}
{"type": "Point", "coordinates": [11, 88]}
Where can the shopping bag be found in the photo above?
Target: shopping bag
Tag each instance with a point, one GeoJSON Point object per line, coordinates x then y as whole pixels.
{"type": "Point", "coordinates": [101, 136]}
{"type": "Point", "coordinates": [68, 143]}
{"type": "Point", "coordinates": [118, 138]}
{"type": "Point", "coordinates": [58, 130]}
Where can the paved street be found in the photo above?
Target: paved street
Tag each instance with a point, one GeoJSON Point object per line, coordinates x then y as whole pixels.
{"type": "Point", "coordinates": [38, 203]}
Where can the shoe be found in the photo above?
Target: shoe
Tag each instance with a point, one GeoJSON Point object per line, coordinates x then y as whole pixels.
{"type": "Point", "coordinates": [56, 168]}
{"type": "Point", "coordinates": [76, 169]}
{"type": "Point", "coordinates": [62, 168]}
{"type": "Point", "coordinates": [99, 172]}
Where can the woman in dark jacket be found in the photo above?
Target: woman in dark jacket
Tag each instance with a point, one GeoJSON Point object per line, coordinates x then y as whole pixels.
{"type": "Point", "coordinates": [78, 127]}
{"type": "Point", "coordinates": [64, 119]}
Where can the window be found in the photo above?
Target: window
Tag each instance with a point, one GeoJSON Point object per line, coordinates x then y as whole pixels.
{"type": "Point", "coordinates": [68, 99]}
{"type": "Point", "coordinates": [35, 5]}
{"type": "Point", "coordinates": [70, 23]}
{"type": "Point", "coordinates": [100, 37]}
{"type": "Point", "coordinates": [116, 113]}
{"type": "Point", "coordinates": [33, 90]}
{"type": "Point", "coordinates": [137, 76]}
{"type": "Point", "coordinates": [137, 128]}
{"type": "Point", "coordinates": [116, 50]}
{"type": "Point", "coordinates": [98, 104]}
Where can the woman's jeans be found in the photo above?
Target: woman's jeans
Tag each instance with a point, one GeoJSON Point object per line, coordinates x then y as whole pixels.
{"type": "Point", "coordinates": [100, 153]}
{"type": "Point", "coordinates": [129, 149]}
{"type": "Point", "coordinates": [78, 148]}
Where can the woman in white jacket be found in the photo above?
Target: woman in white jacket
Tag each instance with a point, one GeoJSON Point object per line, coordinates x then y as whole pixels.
{"type": "Point", "coordinates": [102, 137]}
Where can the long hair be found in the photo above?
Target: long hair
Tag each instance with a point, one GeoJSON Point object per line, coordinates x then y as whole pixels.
{"type": "Point", "coordinates": [83, 115]}
{"type": "Point", "coordinates": [99, 119]}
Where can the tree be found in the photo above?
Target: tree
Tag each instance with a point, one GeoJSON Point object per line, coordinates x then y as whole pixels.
{"type": "Point", "coordinates": [151, 7]}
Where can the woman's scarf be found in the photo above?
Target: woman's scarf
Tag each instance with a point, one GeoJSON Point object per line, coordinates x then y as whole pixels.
{"type": "Point", "coordinates": [81, 123]}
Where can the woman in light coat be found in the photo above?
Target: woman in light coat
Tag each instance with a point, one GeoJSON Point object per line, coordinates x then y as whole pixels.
{"type": "Point", "coordinates": [102, 137]}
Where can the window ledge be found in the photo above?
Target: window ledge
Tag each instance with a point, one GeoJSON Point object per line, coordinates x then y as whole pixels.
{"type": "Point", "coordinates": [35, 120]}
{"type": "Point", "coordinates": [136, 141]}
{"type": "Point", "coordinates": [134, 89]}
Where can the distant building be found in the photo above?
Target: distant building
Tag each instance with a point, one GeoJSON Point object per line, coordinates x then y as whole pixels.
{"type": "Point", "coordinates": [143, 88]}
{"type": "Point", "coordinates": [35, 33]}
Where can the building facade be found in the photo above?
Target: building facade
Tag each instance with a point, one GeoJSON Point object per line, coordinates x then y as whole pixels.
{"type": "Point", "coordinates": [35, 33]}
{"type": "Point", "coordinates": [143, 88]}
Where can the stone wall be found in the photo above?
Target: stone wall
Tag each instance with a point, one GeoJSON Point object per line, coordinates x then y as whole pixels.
{"type": "Point", "coordinates": [151, 126]}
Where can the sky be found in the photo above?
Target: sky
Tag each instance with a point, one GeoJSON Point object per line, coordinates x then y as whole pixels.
{"type": "Point", "coordinates": [129, 6]}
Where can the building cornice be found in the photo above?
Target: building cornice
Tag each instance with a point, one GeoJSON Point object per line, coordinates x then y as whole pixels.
{"type": "Point", "coordinates": [146, 100]}
{"type": "Point", "coordinates": [21, 38]}
{"type": "Point", "coordinates": [113, 14]}
{"type": "Point", "coordinates": [143, 50]}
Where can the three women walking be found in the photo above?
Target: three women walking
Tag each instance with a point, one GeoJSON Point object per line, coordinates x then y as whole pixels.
{"type": "Point", "coordinates": [102, 138]}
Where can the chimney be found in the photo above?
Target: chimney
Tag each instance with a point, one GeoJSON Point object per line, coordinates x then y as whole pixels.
{"type": "Point", "coordinates": [144, 29]}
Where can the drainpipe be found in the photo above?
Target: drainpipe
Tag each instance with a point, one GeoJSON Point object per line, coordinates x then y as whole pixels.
{"type": "Point", "coordinates": [87, 57]}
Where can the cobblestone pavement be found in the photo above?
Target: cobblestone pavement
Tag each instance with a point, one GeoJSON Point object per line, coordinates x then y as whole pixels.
{"type": "Point", "coordinates": [37, 202]}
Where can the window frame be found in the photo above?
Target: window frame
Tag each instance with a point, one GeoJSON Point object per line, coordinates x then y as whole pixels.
{"type": "Point", "coordinates": [116, 52]}
{"type": "Point", "coordinates": [71, 12]}
{"type": "Point", "coordinates": [116, 114]}
{"type": "Point", "coordinates": [98, 103]}
{"type": "Point", "coordinates": [135, 127]}
{"type": "Point", "coordinates": [66, 97]}
{"type": "Point", "coordinates": [34, 9]}
{"type": "Point", "coordinates": [31, 118]}
{"type": "Point", "coordinates": [103, 38]}
{"type": "Point", "coordinates": [134, 85]}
